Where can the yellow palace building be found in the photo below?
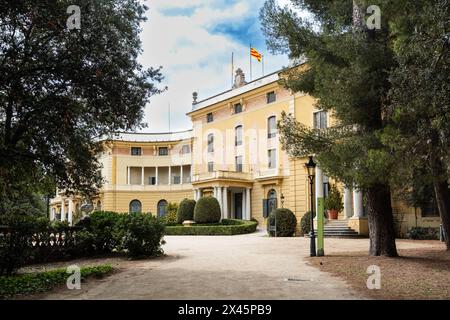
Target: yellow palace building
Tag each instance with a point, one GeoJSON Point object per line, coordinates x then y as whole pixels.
{"type": "Point", "coordinates": [232, 153]}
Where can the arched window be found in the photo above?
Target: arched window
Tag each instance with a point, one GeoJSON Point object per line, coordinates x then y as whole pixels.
{"type": "Point", "coordinates": [162, 208]}
{"type": "Point", "coordinates": [272, 200]}
{"type": "Point", "coordinates": [272, 127]}
{"type": "Point", "coordinates": [238, 136]}
{"type": "Point", "coordinates": [210, 142]}
{"type": "Point", "coordinates": [135, 206]}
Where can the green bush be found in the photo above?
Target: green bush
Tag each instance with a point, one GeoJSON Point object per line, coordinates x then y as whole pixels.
{"type": "Point", "coordinates": [38, 282]}
{"type": "Point", "coordinates": [305, 223]}
{"type": "Point", "coordinates": [186, 210]}
{"type": "Point", "coordinates": [171, 216]}
{"type": "Point", "coordinates": [16, 248]}
{"type": "Point", "coordinates": [140, 235]}
{"type": "Point", "coordinates": [286, 223]}
{"type": "Point", "coordinates": [228, 227]}
{"type": "Point", "coordinates": [418, 233]}
{"type": "Point", "coordinates": [207, 210]}
{"type": "Point", "coordinates": [101, 226]}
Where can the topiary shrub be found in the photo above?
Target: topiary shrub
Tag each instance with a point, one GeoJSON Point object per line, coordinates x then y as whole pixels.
{"type": "Point", "coordinates": [286, 223]}
{"type": "Point", "coordinates": [186, 210]}
{"type": "Point", "coordinates": [305, 223]}
{"type": "Point", "coordinates": [171, 216]}
{"type": "Point", "coordinates": [207, 210]}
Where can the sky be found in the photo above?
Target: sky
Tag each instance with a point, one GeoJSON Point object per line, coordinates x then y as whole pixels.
{"type": "Point", "coordinates": [193, 41]}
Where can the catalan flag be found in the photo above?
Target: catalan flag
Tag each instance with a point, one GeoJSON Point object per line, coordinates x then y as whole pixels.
{"type": "Point", "coordinates": [255, 54]}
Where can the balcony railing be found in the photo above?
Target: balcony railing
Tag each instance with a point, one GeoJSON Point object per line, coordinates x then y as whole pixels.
{"type": "Point", "coordinates": [221, 174]}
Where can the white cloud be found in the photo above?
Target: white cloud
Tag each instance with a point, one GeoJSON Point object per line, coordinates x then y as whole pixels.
{"type": "Point", "coordinates": [194, 58]}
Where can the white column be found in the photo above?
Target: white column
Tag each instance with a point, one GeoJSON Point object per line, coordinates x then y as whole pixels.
{"type": "Point", "coordinates": [128, 175]}
{"type": "Point", "coordinates": [357, 203]}
{"type": "Point", "coordinates": [348, 210]}
{"type": "Point", "coordinates": [215, 192]}
{"type": "Point", "coordinates": [142, 176]}
{"type": "Point", "coordinates": [248, 204]}
{"type": "Point", "coordinates": [170, 175]}
{"type": "Point", "coordinates": [219, 198]}
{"type": "Point", "coordinates": [319, 186]}
{"type": "Point", "coordinates": [70, 213]}
{"type": "Point", "coordinates": [52, 214]}
{"type": "Point", "coordinates": [244, 206]}
{"type": "Point", "coordinates": [63, 210]}
{"type": "Point", "coordinates": [181, 175]}
{"type": "Point", "coordinates": [225, 203]}
{"type": "Point", "coordinates": [156, 175]}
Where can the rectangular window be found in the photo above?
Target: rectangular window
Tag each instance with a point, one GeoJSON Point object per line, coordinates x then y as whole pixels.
{"type": "Point", "coordinates": [238, 136]}
{"type": "Point", "coordinates": [152, 181]}
{"type": "Point", "coordinates": [320, 120]}
{"type": "Point", "coordinates": [136, 151]}
{"type": "Point", "coordinates": [211, 166]}
{"type": "Point", "coordinates": [185, 149]}
{"type": "Point", "coordinates": [272, 127]}
{"type": "Point", "coordinates": [429, 210]}
{"type": "Point", "coordinates": [209, 117]}
{"type": "Point", "coordinates": [176, 180]}
{"type": "Point", "coordinates": [272, 155]}
{"type": "Point", "coordinates": [237, 108]}
{"type": "Point", "coordinates": [271, 97]}
{"type": "Point", "coordinates": [211, 143]}
{"type": "Point", "coordinates": [163, 151]}
{"type": "Point", "coordinates": [239, 164]}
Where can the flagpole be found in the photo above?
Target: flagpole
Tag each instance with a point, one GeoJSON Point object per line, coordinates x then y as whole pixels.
{"type": "Point", "coordinates": [232, 69]}
{"type": "Point", "coordinates": [262, 57]}
{"type": "Point", "coordinates": [250, 53]}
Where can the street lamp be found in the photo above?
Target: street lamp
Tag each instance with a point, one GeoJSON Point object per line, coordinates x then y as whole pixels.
{"type": "Point", "coordinates": [311, 167]}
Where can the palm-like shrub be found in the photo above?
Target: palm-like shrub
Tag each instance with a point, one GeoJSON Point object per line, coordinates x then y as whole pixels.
{"type": "Point", "coordinates": [207, 210]}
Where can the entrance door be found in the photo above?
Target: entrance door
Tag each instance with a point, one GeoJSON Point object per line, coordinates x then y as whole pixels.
{"type": "Point", "coordinates": [238, 206]}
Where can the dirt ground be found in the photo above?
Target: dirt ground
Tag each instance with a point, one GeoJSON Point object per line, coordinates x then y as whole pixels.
{"type": "Point", "coordinates": [250, 266]}
{"type": "Point", "coordinates": [417, 274]}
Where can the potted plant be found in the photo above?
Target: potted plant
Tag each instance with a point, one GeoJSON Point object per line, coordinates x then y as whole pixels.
{"type": "Point", "coordinates": [333, 203]}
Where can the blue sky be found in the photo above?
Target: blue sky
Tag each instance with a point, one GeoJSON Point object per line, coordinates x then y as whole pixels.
{"type": "Point", "coordinates": [193, 41]}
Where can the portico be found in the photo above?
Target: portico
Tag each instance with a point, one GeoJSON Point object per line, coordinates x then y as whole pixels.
{"type": "Point", "coordinates": [234, 198]}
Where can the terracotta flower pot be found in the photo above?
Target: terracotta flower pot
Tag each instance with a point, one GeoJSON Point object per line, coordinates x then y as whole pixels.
{"type": "Point", "coordinates": [333, 214]}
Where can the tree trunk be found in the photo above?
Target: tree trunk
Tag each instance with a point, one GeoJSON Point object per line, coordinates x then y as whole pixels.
{"type": "Point", "coordinates": [381, 221]}
{"type": "Point", "coordinates": [442, 195]}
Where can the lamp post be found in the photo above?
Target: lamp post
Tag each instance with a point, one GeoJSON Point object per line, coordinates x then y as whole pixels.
{"type": "Point", "coordinates": [311, 167]}
{"type": "Point", "coordinates": [282, 200]}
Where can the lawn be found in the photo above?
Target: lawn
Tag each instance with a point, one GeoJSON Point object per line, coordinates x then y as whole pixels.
{"type": "Point", "coordinates": [416, 274]}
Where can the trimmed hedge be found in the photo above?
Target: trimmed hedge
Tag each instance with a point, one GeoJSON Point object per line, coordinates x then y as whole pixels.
{"type": "Point", "coordinates": [305, 223]}
{"type": "Point", "coordinates": [286, 222]}
{"type": "Point", "coordinates": [186, 210]}
{"type": "Point", "coordinates": [228, 227]}
{"type": "Point", "coordinates": [207, 210]}
{"type": "Point", "coordinates": [42, 281]}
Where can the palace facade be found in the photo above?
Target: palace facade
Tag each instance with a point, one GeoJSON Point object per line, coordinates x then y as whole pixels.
{"type": "Point", "coordinates": [232, 153]}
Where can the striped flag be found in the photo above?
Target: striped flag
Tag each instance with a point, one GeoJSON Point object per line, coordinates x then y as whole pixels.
{"type": "Point", "coordinates": [255, 54]}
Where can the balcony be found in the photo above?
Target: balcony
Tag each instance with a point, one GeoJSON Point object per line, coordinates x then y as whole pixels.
{"type": "Point", "coordinates": [148, 188]}
{"type": "Point", "coordinates": [221, 174]}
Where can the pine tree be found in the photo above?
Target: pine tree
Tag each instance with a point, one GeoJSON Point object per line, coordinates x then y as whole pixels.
{"type": "Point", "coordinates": [347, 71]}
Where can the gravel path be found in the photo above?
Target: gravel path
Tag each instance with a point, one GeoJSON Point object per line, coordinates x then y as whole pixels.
{"type": "Point", "coordinates": [224, 267]}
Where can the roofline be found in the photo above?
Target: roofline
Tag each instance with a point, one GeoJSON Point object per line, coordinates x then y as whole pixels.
{"type": "Point", "coordinates": [152, 133]}
{"type": "Point", "coordinates": [230, 90]}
